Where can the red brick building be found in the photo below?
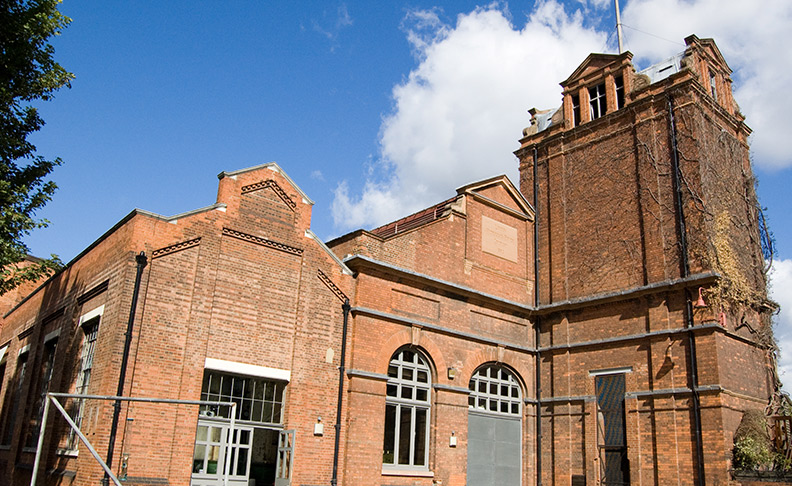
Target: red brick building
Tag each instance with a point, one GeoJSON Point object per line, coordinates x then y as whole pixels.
{"type": "Point", "coordinates": [551, 334]}
{"type": "Point", "coordinates": [645, 201]}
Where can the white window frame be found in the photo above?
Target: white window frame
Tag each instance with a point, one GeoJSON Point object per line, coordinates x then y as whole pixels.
{"type": "Point", "coordinates": [244, 381]}
{"type": "Point", "coordinates": [499, 391]}
{"type": "Point", "coordinates": [80, 387]}
{"type": "Point", "coordinates": [599, 99]}
{"type": "Point", "coordinates": [577, 118]}
{"type": "Point", "coordinates": [611, 371]}
{"type": "Point", "coordinates": [97, 312]}
{"type": "Point", "coordinates": [237, 368]}
{"type": "Point", "coordinates": [619, 92]}
{"type": "Point", "coordinates": [397, 387]}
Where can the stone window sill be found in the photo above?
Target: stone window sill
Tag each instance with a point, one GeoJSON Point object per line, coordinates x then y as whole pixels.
{"type": "Point", "coordinates": [416, 473]}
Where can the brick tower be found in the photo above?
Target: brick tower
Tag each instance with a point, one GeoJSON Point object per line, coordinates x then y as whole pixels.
{"type": "Point", "coordinates": [645, 202]}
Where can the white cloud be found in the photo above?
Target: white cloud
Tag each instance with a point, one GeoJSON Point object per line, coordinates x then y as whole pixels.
{"type": "Point", "coordinates": [332, 24]}
{"type": "Point", "coordinates": [424, 28]}
{"type": "Point", "coordinates": [376, 204]}
{"type": "Point", "coordinates": [458, 115]}
{"type": "Point", "coordinates": [344, 20]}
{"type": "Point", "coordinates": [597, 3]}
{"type": "Point", "coordinates": [781, 292]}
{"type": "Point", "coordinates": [750, 36]}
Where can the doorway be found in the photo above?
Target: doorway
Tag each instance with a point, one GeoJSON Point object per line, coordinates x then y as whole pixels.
{"type": "Point", "coordinates": [260, 452]}
{"type": "Point", "coordinates": [494, 428]}
{"type": "Point", "coordinates": [252, 456]}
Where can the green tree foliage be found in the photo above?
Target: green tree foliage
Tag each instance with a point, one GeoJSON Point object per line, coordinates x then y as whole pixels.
{"type": "Point", "coordinates": [753, 449]}
{"type": "Point", "coordinates": [28, 73]}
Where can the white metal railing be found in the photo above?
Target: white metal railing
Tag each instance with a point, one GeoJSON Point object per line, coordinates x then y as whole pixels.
{"type": "Point", "coordinates": [53, 397]}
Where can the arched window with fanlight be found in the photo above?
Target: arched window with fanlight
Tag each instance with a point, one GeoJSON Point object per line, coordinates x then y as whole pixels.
{"type": "Point", "coordinates": [407, 408]}
{"type": "Point", "coordinates": [494, 389]}
{"type": "Point", "coordinates": [494, 427]}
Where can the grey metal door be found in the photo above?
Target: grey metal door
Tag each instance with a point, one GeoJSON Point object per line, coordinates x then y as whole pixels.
{"type": "Point", "coordinates": [611, 430]}
{"type": "Point", "coordinates": [493, 450]}
{"type": "Point", "coordinates": [283, 467]}
{"type": "Point", "coordinates": [494, 427]}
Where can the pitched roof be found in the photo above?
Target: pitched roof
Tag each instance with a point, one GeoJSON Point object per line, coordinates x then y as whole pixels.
{"type": "Point", "coordinates": [442, 209]}
{"type": "Point", "coordinates": [595, 62]}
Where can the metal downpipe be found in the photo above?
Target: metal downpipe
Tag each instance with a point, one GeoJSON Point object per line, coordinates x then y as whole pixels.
{"type": "Point", "coordinates": [141, 264]}
{"type": "Point", "coordinates": [685, 270]}
{"type": "Point", "coordinates": [341, 370]}
{"type": "Point", "coordinates": [538, 377]}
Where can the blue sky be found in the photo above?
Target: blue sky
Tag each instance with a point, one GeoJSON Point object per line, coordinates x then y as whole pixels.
{"type": "Point", "coordinates": [375, 109]}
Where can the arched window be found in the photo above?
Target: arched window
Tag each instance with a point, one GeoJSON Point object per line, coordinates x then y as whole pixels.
{"type": "Point", "coordinates": [494, 389]}
{"type": "Point", "coordinates": [495, 432]}
{"type": "Point", "coordinates": [407, 411]}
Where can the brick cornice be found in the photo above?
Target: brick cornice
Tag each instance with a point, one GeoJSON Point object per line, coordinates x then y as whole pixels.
{"type": "Point", "coordinates": [694, 280]}
{"type": "Point", "coordinates": [271, 184]}
{"type": "Point", "coordinates": [674, 85]}
{"type": "Point", "coordinates": [263, 241]}
{"type": "Point", "coordinates": [176, 247]}
{"type": "Point", "coordinates": [330, 285]}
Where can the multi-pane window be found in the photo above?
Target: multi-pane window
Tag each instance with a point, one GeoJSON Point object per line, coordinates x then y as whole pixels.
{"type": "Point", "coordinates": [3, 360]}
{"type": "Point", "coordinates": [90, 331]}
{"type": "Point", "coordinates": [258, 400]}
{"type": "Point", "coordinates": [494, 389]}
{"type": "Point", "coordinates": [597, 101]}
{"type": "Point", "coordinates": [576, 110]}
{"type": "Point", "coordinates": [407, 411]}
{"type": "Point", "coordinates": [213, 448]}
{"type": "Point", "coordinates": [45, 376]}
{"type": "Point", "coordinates": [611, 430]}
{"type": "Point", "coordinates": [619, 82]}
{"type": "Point", "coordinates": [209, 442]}
{"type": "Point", "coordinates": [2, 374]}
{"type": "Point", "coordinates": [10, 418]}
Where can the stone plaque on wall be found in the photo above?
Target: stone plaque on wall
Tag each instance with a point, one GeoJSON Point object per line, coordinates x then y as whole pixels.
{"type": "Point", "coordinates": [498, 239]}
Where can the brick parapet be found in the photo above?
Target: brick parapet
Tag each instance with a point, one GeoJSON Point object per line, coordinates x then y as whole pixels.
{"type": "Point", "coordinates": [217, 281]}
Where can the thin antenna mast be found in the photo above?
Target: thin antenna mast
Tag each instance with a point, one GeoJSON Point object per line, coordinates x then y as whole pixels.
{"type": "Point", "coordinates": [618, 27]}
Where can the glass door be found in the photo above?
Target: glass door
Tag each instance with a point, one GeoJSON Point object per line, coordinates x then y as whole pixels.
{"type": "Point", "coordinates": [283, 468]}
{"type": "Point", "coordinates": [213, 450]}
